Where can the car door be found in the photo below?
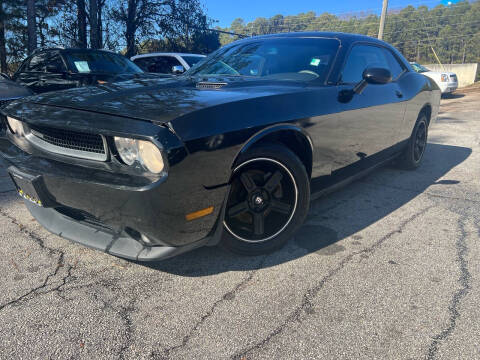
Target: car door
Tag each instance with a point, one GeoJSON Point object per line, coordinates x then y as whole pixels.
{"type": "Point", "coordinates": [370, 121]}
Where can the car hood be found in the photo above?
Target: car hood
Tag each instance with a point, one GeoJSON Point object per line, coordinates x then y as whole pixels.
{"type": "Point", "coordinates": [11, 90]}
{"type": "Point", "coordinates": [159, 100]}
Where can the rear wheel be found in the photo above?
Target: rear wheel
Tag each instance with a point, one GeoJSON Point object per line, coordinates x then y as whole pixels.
{"type": "Point", "coordinates": [268, 201]}
{"type": "Point", "coordinates": [415, 150]}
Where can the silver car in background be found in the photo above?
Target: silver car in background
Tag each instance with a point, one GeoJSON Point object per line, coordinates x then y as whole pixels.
{"type": "Point", "coordinates": [446, 81]}
{"type": "Point", "coordinates": [166, 63]}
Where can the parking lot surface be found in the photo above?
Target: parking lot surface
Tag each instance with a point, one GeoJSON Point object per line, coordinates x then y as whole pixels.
{"type": "Point", "coordinates": [388, 267]}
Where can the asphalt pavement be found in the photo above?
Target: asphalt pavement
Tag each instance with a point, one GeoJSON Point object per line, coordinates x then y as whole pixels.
{"type": "Point", "coordinates": [386, 268]}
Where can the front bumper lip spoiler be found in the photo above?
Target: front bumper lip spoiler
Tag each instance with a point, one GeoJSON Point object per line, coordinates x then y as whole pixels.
{"type": "Point", "coordinates": [120, 245]}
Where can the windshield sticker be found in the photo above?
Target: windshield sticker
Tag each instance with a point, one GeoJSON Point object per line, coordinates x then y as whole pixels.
{"type": "Point", "coordinates": [315, 62]}
{"type": "Point", "coordinates": [82, 66]}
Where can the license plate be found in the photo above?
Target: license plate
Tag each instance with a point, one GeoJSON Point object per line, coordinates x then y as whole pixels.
{"type": "Point", "coordinates": [30, 188]}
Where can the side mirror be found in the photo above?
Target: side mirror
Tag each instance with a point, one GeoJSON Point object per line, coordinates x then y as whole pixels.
{"type": "Point", "coordinates": [178, 69]}
{"type": "Point", "coordinates": [374, 76]}
{"type": "Point", "coordinates": [377, 76]}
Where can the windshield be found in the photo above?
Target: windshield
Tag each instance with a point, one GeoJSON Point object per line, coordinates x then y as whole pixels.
{"type": "Point", "coordinates": [101, 62]}
{"type": "Point", "coordinates": [192, 60]}
{"type": "Point", "coordinates": [419, 68]}
{"type": "Point", "coordinates": [299, 59]}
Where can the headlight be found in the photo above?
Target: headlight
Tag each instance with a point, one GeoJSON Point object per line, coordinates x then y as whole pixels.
{"type": "Point", "coordinates": [144, 152]}
{"type": "Point", "coordinates": [15, 126]}
{"type": "Point", "coordinates": [150, 156]}
{"type": "Point", "coordinates": [444, 78]}
{"type": "Point", "coordinates": [127, 149]}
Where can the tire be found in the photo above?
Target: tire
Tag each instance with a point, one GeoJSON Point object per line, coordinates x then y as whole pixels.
{"type": "Point", "coordinates": [269, 200]}
{"type": "Point", "coordinates": [413, 154]}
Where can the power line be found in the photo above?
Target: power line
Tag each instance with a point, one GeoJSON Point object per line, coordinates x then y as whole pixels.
{"type": "Point", "coordinates": [392, 8]}
{"type": "Point", "coordinates": [333, 27]}
{"type": "Point", "coordinates": [289, 22]}
{"type": "Point", "coordinates": [227, 32]}
{"type": "Point", "coordinates": [437, 38]}
{"type": "Point", "coordinates": [437, 27]}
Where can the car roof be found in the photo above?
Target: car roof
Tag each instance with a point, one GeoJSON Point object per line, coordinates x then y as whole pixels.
{"type": "Point", "coordinates": [165, 54]}
{"type": "Point", "coordinates": [89, 50]}
{"type": "Point", "coordinates": [66, 50]}
{"type": "Point", "coordinates": [343, 37]}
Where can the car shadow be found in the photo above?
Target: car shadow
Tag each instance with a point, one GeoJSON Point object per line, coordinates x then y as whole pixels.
{"type": "Point", "coordinates": [333, 218]}
{"type": "Point", "coordinates": [453, 96]}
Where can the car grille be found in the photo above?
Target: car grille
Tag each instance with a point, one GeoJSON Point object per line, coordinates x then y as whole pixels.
{"type": "Point", "coordinates": [70, 143]}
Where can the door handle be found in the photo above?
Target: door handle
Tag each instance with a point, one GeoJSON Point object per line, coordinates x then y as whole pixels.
{"type": "Point", "coordinates": [399, 94]}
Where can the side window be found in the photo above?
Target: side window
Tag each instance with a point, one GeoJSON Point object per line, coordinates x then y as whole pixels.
{"type": "Point", "coordinates": [164, 64]}
{"type": "Point", "coordinates": [360, 58]}
{"type": "Point", "coordinates": [143, 63]}
{"type": "Point", "coordinates": [55, 64]}
{"type": "Point", "coordinates": [395, 67]}
{"type": "Point", "coordinates": [37, 63]}
{"type": "Point", "coordinates": [158, 64]}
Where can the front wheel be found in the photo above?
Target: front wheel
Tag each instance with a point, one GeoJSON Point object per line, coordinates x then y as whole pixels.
{"type": "Point", "coordinates": [268, 201]}
{"type": "Point", "coordinates": [413, 154]}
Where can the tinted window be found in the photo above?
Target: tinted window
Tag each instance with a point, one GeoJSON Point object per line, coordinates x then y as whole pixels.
{"type": "Point", "coordinates": [395, 67]}
{"type": "Point", "coordinates": [55, 62]}
{"type": "Point", "coordinates": [360, 58]}
{"type": "Point", "coordinates": [301, 59]}
{"type": "Point", "coordinates": [142, 63]}
{"type": "Point", "coordinates": [192, 60]}
{"type": "Point", "coordinates": [158, 64]}
{"type": "Point", "coordinates": [100, 62]}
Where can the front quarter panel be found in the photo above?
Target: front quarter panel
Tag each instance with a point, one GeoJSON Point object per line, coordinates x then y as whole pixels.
{"type": "Point", "coordinates": [424, 92]}
{"type": "Point", "coordinates": [216, 135]}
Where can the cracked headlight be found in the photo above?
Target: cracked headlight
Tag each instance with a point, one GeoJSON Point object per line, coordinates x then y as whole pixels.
{"type": "Point", "coordinates": [144, 152]}
{"type": "Point", "coordinates": [16, 126]}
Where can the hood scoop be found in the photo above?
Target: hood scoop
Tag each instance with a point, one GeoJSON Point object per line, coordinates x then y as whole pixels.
{"type": "Point", "coordinates": [210, 85]}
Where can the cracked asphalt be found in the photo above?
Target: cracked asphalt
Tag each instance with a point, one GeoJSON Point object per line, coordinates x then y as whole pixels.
{"type": "Point", "coordinates": [388, 267]}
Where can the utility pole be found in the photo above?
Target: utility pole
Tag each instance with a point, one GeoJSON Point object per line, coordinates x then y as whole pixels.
{"type": "Point", "coordinates": [382, 19]}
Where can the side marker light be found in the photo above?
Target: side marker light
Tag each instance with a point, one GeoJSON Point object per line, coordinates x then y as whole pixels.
{"type": "Point", "coordinates": [198, 214]}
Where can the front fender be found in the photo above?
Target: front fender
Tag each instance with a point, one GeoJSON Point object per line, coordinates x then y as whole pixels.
{"type": "Point", "coordinates": [279, 131]}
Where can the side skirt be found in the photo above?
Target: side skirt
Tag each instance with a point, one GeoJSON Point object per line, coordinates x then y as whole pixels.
{"type": "Point", "coordinates": [344, 182]}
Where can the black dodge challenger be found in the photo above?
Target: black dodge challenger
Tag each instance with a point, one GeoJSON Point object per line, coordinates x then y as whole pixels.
{"type": "Point", "coordinates": [231, 152]}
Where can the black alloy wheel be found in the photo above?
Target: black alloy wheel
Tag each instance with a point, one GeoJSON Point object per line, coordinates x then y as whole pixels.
{"type": "Point", "coordinates": [268, 201]}
{"type": "Point", "coordinates": [420, 141]}
{"type": "Point", "coordinates": [415, 150]}
{"type": "Point", "coordinates": [263, 199]}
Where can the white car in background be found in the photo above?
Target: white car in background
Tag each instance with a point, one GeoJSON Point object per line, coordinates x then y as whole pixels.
{"type": "Point", "coordinates": [166, 63]}
{"type": "Point", "coordinates": [446, 81]}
